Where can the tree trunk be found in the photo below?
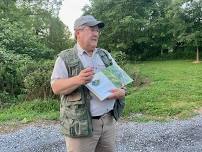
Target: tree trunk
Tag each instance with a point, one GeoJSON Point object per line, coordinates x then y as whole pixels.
{"type": "Point", "coordinates": [44, 93]}
{"type": "Point", "coordinates": [161, 52]}
{"type": "Point", "coordinates": [197, 53]}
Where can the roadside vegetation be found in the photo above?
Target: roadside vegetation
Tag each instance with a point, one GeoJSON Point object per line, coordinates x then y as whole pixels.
{"type": "Point", "coordinates": [162, 90]}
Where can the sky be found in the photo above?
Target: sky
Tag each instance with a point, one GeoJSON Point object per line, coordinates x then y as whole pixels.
{"type": "Point", "coordinates": [70, 11]}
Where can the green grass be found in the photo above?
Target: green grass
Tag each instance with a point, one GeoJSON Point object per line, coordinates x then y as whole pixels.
{"type": "Point", "coordinates": [172, 90]}
{"type": "Point", "coordinates": [167, 90]}
{"type": "Point", "coordinates": [31, 111]}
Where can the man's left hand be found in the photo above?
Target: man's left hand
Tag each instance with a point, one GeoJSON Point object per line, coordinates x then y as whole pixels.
{"type": "Point", "coordinates": [117, 94]}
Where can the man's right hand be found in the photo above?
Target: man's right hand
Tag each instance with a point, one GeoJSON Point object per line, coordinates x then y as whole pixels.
{"type": "Point", "coordinates": [85, 76]}
{"type": "Point", "coordinates": [67, 85]}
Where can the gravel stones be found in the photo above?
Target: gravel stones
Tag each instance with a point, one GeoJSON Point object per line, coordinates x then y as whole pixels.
{"type": "Point", "coordinates": [173, 136]}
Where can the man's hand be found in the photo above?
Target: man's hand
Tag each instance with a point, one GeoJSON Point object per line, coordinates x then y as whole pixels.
{"type": "Point", "coordinates": [117, 94]}
{"type": "Point", "coordinates": [67, 85]}
{"type": "Point", "coordinates": [85, 76]}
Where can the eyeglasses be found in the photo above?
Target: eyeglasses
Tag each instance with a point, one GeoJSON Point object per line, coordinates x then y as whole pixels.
{"type": "Point", "coordinates": [91, 28]}
{"type": "Point", "coordinates": [94, 29]}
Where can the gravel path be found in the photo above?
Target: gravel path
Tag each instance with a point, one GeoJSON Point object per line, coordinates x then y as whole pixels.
{"type": "Point", "coordinates": [174, 136]}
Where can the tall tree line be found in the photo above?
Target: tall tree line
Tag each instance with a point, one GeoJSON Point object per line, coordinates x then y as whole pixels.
{"type": "Point", "coordinates": [31, 35]}
{"type": "Point", "coordinates": [148, 29]}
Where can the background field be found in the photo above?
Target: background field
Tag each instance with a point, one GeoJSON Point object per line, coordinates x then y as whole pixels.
{"type": "Point", "coordinates": [162, 90]}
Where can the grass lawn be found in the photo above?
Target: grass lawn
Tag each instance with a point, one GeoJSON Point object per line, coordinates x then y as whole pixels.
{"type": "Point", "coordinates": [30, 111]}
{"type": "Point", "coordinates": [166, 90]}
{"type": "Point", "coordinates": [169, 90]}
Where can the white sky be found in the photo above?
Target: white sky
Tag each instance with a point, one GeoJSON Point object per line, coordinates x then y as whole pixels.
{"type": "Point", "coordinates": [70, 11]}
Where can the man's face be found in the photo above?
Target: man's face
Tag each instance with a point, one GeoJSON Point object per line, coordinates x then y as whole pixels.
{"type": "Point", "coordinates": [88, 37]}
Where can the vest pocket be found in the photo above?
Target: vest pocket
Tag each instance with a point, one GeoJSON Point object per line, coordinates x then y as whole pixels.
{"type": "Point", "coordinates": [74, 96]}
{"type": "Point", "coordinates": [75, 121]}
{"type": "Point", "coordinates": [74, 68]}
{"type": "Point", "coordinates": [79, 128]}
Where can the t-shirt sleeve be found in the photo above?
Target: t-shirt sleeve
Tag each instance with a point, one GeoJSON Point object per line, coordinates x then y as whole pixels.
{"type": "Point", "coordinates": [59, 70]}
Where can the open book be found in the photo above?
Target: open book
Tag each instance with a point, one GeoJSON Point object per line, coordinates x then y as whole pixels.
{"type": "Point", "coordinates": [110, 78]}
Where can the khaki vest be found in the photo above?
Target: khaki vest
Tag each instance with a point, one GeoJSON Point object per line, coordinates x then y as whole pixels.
{"type": "Point", "coordinates": [75, 107]}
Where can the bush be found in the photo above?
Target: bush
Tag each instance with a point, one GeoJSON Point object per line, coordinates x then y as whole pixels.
{"type": "Point", "coordinates": [120, 58]}
{"type": "Point", "coordinates": [20, 52]}
{"type": "Point", "coordinates": [37, 82]}
{"type": "Point", "coordinates": [6, 99]}
{"type": "Point", "coordinates": [11, 77]}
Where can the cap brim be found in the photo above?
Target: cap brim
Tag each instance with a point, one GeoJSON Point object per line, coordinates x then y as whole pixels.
{"type": "Point", "coordinates": [101, 25]}
{"type": "Point", "coordinates": [98, 23]}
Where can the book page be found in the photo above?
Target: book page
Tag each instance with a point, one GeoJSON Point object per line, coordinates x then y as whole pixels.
{"type": "Point", "coordinates": [101, 86]}
{"type": "Point", "coordinates": [110, 78]}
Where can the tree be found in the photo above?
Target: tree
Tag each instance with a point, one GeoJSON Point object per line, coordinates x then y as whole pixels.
{"type": "Point", "coordinates": [43, 18]}
{"type": "Point", "coordinates": [126, 24]}
{"type": "Point", "coordinates": [58, 37]}
{"type": "Point", "coordinates": [16, 38]}
{"type": "Point", "coordinates": [29, 39]}
{"type": "Point", "coordinates": [139, 28]}
{"type": "Point", "coordinates": [192, 16]}
{"type": "Point", "coordinates": [146, 29]}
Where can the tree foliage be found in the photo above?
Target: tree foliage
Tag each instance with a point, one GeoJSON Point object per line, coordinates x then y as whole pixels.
{"type": "Point", "coordinates": [146, 29]}
{"type": "Point", "coordinates": [31, 35]}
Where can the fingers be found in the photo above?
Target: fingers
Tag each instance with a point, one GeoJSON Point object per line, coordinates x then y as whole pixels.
{"type": "Point", "coordinates": [85, 76]}
{"type": "Point", "coordinates": [111, 97]}
{"type": "Point", "coordinates": [117, 94]}
{"type": "Point", "coordinates": [86, 72]}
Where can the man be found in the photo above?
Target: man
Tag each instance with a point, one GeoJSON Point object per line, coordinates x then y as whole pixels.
{"type": "Point", "coordinates": [87, 122]}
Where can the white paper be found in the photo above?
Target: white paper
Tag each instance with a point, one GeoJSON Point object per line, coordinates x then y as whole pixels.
{"type": "Point", "coordinates": [110, 78]}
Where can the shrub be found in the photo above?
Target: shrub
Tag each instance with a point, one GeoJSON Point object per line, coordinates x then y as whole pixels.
{"type": "Point", "coordinates": [120, 58]}
{"type": "Point", "coordinates": [37, 82]}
